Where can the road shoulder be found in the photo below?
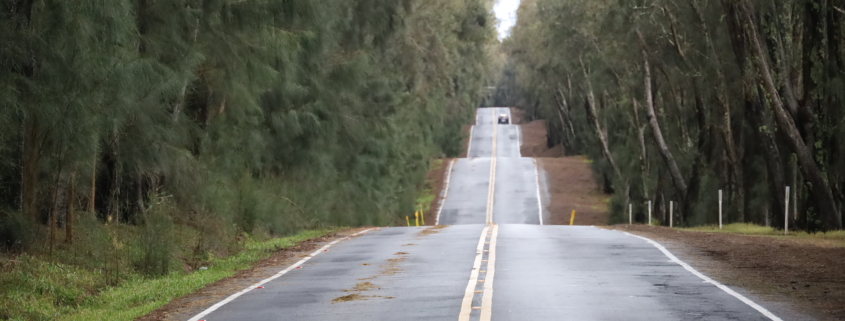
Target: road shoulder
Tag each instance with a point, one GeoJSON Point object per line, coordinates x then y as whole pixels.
{"type": "Point", "coordinates": [793, 280]}
{"type": "Point", "coordinates": [189, 305]}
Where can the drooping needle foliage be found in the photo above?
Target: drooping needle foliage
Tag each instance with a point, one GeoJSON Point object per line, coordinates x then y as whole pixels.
{"type": "Point", "coordinates": [234, 115]}
{"type": "Point", "coordinates": [676, 100]}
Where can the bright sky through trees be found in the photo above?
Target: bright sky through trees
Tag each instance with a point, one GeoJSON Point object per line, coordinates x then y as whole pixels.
{"type": "Point", "coordinates": [506, 15]}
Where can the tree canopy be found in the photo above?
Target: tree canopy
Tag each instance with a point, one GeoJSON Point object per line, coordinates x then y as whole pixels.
{"type": "Point", "coordinates": [676, 100]}
{"type": "Point", "coordinates": [259, 114]}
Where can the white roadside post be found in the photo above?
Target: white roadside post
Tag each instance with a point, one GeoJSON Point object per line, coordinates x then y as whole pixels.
{"type": "Point", "coordinates": [671, 207]}
{"type": "Point", "coordinates": [649, 213]}
{"type": "Point", "coordinates": [720, 209]}
{"type": "Point", "coordinates": [786, 214]}
{"type": "Point", "coordinates": [630, 214]}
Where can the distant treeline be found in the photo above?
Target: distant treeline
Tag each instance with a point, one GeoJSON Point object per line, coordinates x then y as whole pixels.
{"type": "Point", "coordinates": [678, 99]}
{"type": "Point", "coordinates": [229, 115]}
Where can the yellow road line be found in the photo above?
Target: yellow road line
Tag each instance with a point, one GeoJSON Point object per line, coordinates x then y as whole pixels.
{"type": "Point", "coordinates": [487, 296]}
{"type": "Point", "coordinates": [466, 304]}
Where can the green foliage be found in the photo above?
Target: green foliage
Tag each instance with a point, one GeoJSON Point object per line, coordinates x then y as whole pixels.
{"type": "Point", "coordinates": [180, 126]}
{"type": "Point", "coordinates": [15, 230]}
{"type": "Point", "coordinates": [33, 288]}
{"type": "Point", "coordinates": [156, 244]}
{"type": "Point", "coordinates": [708, 100]}
{"type": "Point", "coordinates": [273, 116]}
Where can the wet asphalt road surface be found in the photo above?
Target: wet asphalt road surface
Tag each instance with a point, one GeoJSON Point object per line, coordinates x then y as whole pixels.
{"type": "Point", "coordinates": [516, 269]}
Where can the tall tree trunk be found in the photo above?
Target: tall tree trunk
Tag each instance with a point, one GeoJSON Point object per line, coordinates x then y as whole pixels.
{"type": "Point", "coordinates": [54, 211]}
{"type": "Point", "coordinates": [69, 215]}
{"type": "Point", "coordinates": [592, 118]}
{"type": "Point", "coordinates": [822, 192]}
{"type": "Point", "coordinates": [92, 196]}
{"type": "Point", "coordinates": [774, 168]}
{"type": "Point", "coordinates": [643, 151]}
{"type": "Point", "coordinates": [731, 150]}
{"type": "Point", "coordinates": [29, 168]}
{"type": "Point", "coordinates": [674, 171]}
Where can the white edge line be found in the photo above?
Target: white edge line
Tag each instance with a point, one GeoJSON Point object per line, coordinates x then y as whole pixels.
{"type": "Point", "coordinates": [686, 266]}
{"type": "Point", "coordinates": [275, 276]}
{"type": "Point", "coordinates": [537, 182]}
{"type": "Point", "coordinates": [469, 293]}
{"type": "Point", "coordinates": [445, 192]}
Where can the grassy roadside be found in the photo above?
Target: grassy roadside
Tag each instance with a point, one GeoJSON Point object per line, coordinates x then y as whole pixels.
{"type": "Point", "coordinates": [829, 239]}
{"type": "Point", "coordinates": [428, 196]}
{"type": "Point", "coordinates": [34, 288]}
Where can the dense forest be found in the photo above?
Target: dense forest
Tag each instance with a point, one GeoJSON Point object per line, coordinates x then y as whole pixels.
{"type": "Point", "coordinates": [675, 100]}
{"type": "Point", "coordinates": [226, 116]}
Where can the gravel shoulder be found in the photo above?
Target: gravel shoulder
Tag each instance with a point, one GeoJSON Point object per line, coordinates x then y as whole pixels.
{"type": "Point", "coordinates": [796, 280]}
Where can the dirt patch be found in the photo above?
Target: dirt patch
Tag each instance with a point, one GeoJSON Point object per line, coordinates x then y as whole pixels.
{"type": "Point", "coordinates": [811, 279]}
{"type": "Point", "coordinates": [400, 253]}
{"type": "Point", "coordinates": [364, 286]}
{"type": "Point", "coordinates": [189, 305]}
{"type": "Point", "coordinates": [535, 142]}
{"type": "Point", "coordinates": [390, 267]}
{"type": "Point", "coordinates": [571, 187]}
{"type": "Point", "coordinates": [350, 297]}
{"type": "Point", "coordinates": [432, 230]}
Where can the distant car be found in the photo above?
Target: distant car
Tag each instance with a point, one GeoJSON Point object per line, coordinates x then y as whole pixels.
{"type": "Point", "coordinates": [504, 119]}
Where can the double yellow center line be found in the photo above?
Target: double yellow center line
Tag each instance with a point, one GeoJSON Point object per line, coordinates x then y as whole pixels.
{"type": "Point", "coordinates": [480, 286]}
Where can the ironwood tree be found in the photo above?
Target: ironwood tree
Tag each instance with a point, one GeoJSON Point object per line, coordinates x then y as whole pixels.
{"type": "Point", "coordinates": [746, 96]}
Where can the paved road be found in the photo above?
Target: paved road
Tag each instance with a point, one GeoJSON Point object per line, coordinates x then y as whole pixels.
{"type": "Point", "coordinates": [495, 261]}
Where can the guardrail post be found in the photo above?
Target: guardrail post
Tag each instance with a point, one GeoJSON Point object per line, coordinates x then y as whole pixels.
{"type": "Point", "coordinates": [786, 214]}
{"type": "Point", "coordinates": [671, 208]}
{"type": "Point", "coordinates": [720, 209]}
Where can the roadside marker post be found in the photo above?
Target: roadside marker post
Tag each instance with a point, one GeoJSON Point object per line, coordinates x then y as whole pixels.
{"type": "Point", "coordinates": [422, 215]}
{"type": "Point", "coordinates": [649, 213]}
{"type": "Point", "coordinates": [671, 208]}
{"type": "Point", "coordinates": [572, 218]}
{"type": "Point", "coordinates": [407, 221]}
{"type": "Point", "coordinates": [417, 218]}
{"type": "Point", "coordinates": [786, 214]}
{"type": "Point", "coordinates": [720, 209]}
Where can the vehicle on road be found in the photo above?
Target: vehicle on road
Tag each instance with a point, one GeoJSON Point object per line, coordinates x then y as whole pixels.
{"type": "Point", "coordinates": [504, 119]}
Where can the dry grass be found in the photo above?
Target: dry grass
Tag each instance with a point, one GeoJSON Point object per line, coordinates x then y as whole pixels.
{"type": "Point", "coordinates": [350, 297]}
{"type": "Point", "coordinates": [364, 286]}
{"type": "Point", "coordinates": [828, 240]}
{"type": "Point", "coordinates": [432, 230]}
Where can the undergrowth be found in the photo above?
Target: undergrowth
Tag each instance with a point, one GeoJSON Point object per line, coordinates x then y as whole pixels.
{"type": "Point", "coordinates": [66, 286]}
{"type": "Point", "coordinates": [426, 194]}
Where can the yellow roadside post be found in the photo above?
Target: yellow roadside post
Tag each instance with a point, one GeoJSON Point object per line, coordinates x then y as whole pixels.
{"type": "Point", "coordinates": [572, 218]}
{"type": "Point", "coordinates": [422, 215]}
{"type": "Point", "coordinates": [407, 221]}
{"type": "Point", "coordinates": [417, 218]}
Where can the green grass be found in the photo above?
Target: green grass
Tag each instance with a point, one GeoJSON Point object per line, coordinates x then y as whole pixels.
{"type": "Point", "coordinates": [426, 195]}
{"type": "Point", "coordinates": [37, 289]}
{"type": "Point", "coordinates": [829, 239]}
